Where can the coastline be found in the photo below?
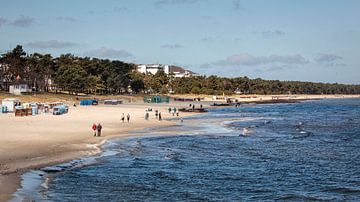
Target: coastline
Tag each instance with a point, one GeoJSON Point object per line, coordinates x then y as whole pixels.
{"type": "Point", "coordinates": [48, 145]}
{"type": "Point", "coordinates": [48, 140]}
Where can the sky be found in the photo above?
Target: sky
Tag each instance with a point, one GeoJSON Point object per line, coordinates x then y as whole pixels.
{"type": "Point", "coordinates": [304, 40]}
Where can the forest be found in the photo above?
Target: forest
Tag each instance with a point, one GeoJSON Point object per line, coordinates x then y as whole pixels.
{"type": "Point", "coordinates": [73, 74]}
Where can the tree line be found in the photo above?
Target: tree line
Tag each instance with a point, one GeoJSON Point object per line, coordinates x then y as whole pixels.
{"type": "Point", "coordinates": [74, 74]}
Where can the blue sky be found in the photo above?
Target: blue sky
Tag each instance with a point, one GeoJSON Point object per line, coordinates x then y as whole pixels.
{"type": "Point", "coordinates": [307, 40]}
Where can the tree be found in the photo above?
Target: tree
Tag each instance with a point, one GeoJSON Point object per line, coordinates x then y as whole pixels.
{"type": "Point", "coordinates": [13, 65]}
{"type": "Point", "coordinates": [72, 78]}
{"type": "Point", "coordinates": [40, 70]}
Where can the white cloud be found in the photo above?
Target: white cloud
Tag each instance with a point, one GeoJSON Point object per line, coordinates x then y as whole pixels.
{"type": "Point", "coordinates": [172, 46]}
{"type": "Point", "coordinates": [329, 60]}
{"type": "Point", "coordinates": [270, 33]}
{"type": "Point", "coordinates": [2, 21]}
{"type": "Point", "coordinates": [108, 53]}
{"type": "Point", "coordinates": [51, 44]}
{"type": "Point", "coordinates": [23, 21]}
{"type": "Point", "coordinates": [245, 59]}
{"type": "Point", "coordinates": [69, 19]}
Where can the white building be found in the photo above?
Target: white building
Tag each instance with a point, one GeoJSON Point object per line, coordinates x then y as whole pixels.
{"type": "Point", "coordinates": [152, 68]}
{"type": "Point", "coordinates": [18, 89]}
{"type": "Point", "coordinates": [168, 69]}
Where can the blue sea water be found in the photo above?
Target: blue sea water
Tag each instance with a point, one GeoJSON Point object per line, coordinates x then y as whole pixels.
{"type": "Point", "coordinates": [298, 152]}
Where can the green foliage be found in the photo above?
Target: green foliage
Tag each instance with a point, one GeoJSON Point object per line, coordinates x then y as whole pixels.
{"type": "Point", "coordinates": [92, 75]}
{"type": "Point", "coordinates": [71, 78]}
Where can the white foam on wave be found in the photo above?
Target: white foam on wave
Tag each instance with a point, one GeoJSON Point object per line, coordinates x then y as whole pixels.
{"type": "Point", "coordinates": [35, 181]}
{"type": "Point", "coordinates": [30, 182]}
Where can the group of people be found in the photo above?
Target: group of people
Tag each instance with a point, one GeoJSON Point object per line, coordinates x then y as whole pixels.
{"type": "Point", "coordinates": [97, 129]}
{"type": "Point", "coordinates": [158, 115]}
{"type": "Point", "coordinates": [173, 111]}
{"type": "Point", "coordinates": [123, 117]}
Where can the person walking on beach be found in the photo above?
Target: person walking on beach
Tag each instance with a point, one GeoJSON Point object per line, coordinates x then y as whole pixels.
{"type": "Point", "coordinates": [94, 127]}
{"type": "Point", "coordinates": [128, 117]}
{"type": "Point", "coordinates": [169, 110]}
{"type": "Point", "coordinates": [193, 107]}
{"type": "Point", "coordinates": [156, 113]}
{"type": "Point", "coordinates": [99, 127]}
{"type": "Point", "coordinates": [147, 116]}
{"type": "Point", "coordinates": [123, 117]}
{"type": "Point", "coordinates": [200, 106]}
{"type": "Point", "coordinates": [175, 109]}
{"type": "Point", "coordinates": [159, 116]}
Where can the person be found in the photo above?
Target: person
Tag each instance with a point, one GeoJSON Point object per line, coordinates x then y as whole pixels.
{"type": "Point", "coordinates": [169, 110]}
{"type": "Point", "coordinates": [159, 116]}
{"type": "Point", "coordinates": [128, 117]}
{"type": "Point", "coordinates": [156, 113]}
{"type": "Point", "coordinates": [99, 127]}
{"type": "Point", "coordinates": [193, 107]}
{"type": "Point", "coordinates": [123, 117]}
{"type": "Point", "coordinates": [177, 113]}
{"type": "Point", "coordinates": [190, 105]}
{"type": "Point", "coordinates": [200, 106]}
{"type": "Point", "coordinates": [147, 116]}
{"type": "Point", "coordinates": [174, 109]}
{"type": "Point", "coordinates": [94, 127]}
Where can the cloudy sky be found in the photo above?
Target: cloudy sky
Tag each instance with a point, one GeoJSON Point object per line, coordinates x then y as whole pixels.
{"type": "Point", "coordinates": [307, 40]}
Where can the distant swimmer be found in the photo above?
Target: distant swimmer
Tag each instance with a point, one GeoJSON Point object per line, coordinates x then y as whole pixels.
{"type": "Point", "coordinates": [267, 122]}
{"type": "Point", "coordinates": [303, 134]}
{"type": "Point", "coordinates": [246, 131]}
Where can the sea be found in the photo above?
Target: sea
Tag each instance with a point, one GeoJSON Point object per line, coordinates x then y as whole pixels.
{"type": "Point", "coordinates": [308, 151]}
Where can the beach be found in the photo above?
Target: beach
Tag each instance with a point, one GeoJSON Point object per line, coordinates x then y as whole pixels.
{"type": "Point", "coordinates": [36, 141]}
{"type": "Point", "coordinates": [291, 151]}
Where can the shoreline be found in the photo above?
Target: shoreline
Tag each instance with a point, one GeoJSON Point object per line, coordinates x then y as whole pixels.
{"type": "Point", "coordinates": [25, 153]}
{"type": "Point", "coordinates": [10, 172]}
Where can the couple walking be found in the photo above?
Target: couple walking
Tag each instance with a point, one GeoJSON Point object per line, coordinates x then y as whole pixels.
{"type": "Point", "coordinates": [127, 117]}
{"type": "Point", "coordinates": [97, 128]}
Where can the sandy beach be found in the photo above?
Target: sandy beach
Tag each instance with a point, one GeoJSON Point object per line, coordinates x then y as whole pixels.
{"type": "Point", "coordinates": [36, 141]}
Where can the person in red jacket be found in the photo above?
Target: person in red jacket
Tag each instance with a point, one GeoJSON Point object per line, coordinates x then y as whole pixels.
{"type": "Point", "coordinates": [94, 128]}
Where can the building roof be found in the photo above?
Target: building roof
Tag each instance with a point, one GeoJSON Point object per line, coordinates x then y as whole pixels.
{"type": "Point", "coordinates": [177, 69]}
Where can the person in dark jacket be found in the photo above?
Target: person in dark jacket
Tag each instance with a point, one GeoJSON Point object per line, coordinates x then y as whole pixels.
{"type": "Point", "coordinates": [99, 128]}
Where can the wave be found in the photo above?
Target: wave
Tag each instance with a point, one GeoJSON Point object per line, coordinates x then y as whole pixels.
{"type": "Point", "coordinates": [296, 197]}
{"type": "Point", "coordinates": [343, 190]}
